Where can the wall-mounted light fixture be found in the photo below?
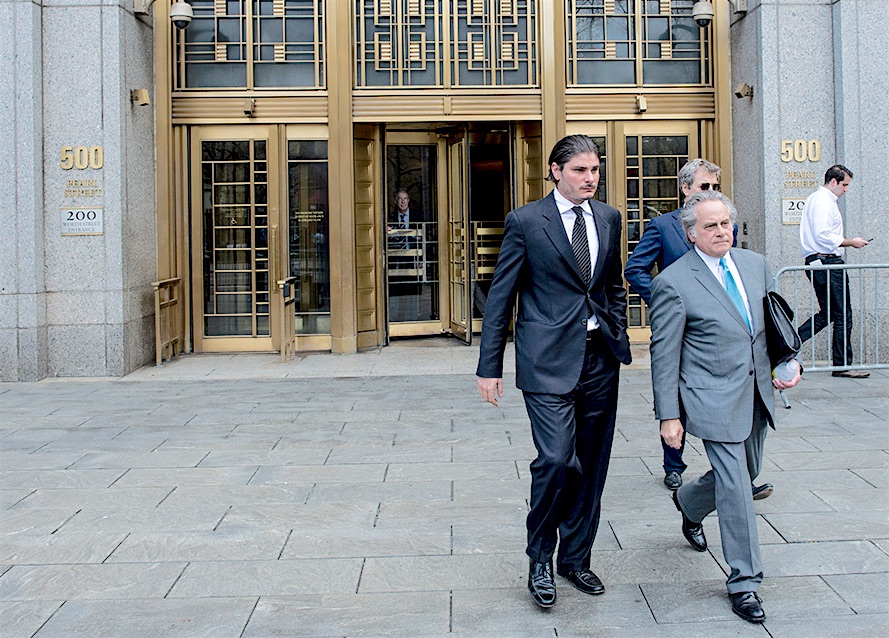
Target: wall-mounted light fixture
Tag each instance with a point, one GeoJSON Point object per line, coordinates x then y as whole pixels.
{"type": "Point", "coordinates": [249, 106]}
{"type": "Point", "coordinates": [744, 90]}
{"type": "Point", "coordinates": [641, 104]}
{"type": "Point", "coordinates": [140, 97]}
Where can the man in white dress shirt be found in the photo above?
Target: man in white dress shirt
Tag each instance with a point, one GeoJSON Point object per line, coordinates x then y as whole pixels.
{"type": "Point", "coordinates": [822, 241]}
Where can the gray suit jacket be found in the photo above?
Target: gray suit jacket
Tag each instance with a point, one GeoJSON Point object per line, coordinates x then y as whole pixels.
{"type": "Point", "coordinates": [702, 351]}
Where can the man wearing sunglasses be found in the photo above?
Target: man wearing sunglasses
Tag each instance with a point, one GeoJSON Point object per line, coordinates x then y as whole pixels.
{"type": "Point", "coordinates": [663, 242]}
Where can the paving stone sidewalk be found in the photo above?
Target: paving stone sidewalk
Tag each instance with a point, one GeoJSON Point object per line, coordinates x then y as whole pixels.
{"type": "Point", "coordinates": [376, 495]}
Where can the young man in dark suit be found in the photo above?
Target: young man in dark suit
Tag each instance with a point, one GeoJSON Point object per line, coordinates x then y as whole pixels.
{"type": "Point", "coordinates": [562, 256]}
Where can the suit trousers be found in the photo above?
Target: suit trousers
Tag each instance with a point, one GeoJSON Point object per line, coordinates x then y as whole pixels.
{"type": "Point", "coordinates": [726, 489]}
{"type": "Point", "coordinates": [832, 291]}
{"type": "Point", "coordinates": [573, 434]}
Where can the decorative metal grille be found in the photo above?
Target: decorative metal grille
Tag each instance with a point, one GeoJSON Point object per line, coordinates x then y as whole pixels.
{"type": "Point", "coordinates": [445, 43]}
{"type": "Point", "coordinates": [235, 238]}
{"type": "Point", "coordinates": [494, 43]}
{"type": "Point", "coordinates": [261, 43]}
{"type": "Point", "coordinates": [652, 183]}
{"type": "Point", "coordinates": [635, 43]}
{"type": "Point", "coordinates": [399, 43]}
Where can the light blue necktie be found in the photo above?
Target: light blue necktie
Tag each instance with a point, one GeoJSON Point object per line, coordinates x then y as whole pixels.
{"type": "Point", "coordinates": [732, 289]}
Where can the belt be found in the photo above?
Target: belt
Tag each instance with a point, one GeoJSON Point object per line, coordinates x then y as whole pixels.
{"type": "Point", "coordinates": [819, 255]}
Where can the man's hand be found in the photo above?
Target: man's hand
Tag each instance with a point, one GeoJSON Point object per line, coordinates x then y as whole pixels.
{"type": "Point", "coordinates": [855, 242]}
{"type": "Point", "coordinates": [783, 385]}
{"type": "Point", "coordinates": [671, 433]}
{"type": "Point", "coordinates": [490, 389]}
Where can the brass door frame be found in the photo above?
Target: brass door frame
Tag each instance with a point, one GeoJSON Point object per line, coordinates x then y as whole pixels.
{"type": "Point", "coordinates": [301, 132]}
{"type": "Point", "coordinates": [420, 138]}
{"type": "Point", "coordinates": [270, 134]}
{"type": "Point", "coordinates": [459, 229]}
{"type": "Point", "coordinates": [615, 133]}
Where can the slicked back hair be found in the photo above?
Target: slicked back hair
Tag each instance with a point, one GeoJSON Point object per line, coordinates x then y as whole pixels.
{"type": "Point", "coordinates": [567, 148]}
{"type": "Point", "coordinates": [688, 216]}
{"type": "Point", "coordinates": [836, 172]}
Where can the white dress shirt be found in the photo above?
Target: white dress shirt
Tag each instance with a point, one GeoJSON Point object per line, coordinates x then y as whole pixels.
{"type": "Point", "coordinates": [568, 217]}
{"type": "Point", "coordinates": [821, 226]}
{"type": "Point", "coordinates": [716, 269]}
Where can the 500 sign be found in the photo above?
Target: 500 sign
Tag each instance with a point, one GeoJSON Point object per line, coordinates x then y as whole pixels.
{"type": "Point", "coordinates": [81, 157]}
{"type": "Point", "coordinates": [800, 150]}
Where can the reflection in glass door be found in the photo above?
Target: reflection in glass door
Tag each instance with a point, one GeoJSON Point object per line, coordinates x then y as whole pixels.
{"type": "Point", "coordinates": [412, 244]}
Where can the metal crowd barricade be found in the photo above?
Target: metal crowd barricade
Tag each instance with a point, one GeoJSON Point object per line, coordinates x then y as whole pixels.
{"type": "Point", "coordinates": [287, 335]}
{"type": "Point", "coordinates": [867, 286]}
{"type": "Point", "coordinates": [167, 319]}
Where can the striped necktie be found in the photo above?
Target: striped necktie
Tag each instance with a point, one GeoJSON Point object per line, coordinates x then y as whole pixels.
{"type": "Point", "coordinates": [581, 245]}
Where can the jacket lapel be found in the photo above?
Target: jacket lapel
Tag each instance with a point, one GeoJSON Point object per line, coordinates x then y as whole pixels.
{"type": "Point", "coordinates": [754, 289]}
{"type": "Point", "coordinates": [603, 232]}
{"type": "Point", "coordinates": [676, 225]}
{"type": "Point", "coordinates": [555, 230]}
{"type": "Point", "coordinates": [705, 277]}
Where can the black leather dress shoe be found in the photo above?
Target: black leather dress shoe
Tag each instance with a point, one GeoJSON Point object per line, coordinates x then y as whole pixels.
{"type": "Point", "coordinates": [583, 580]}
{"type": "Point", "coordinates": [673, 480]}
{"type": "Point", "coordinates": [762, 491]}
{"type": "Point", "coordinates": [748, 606]}
{"type": "Point", "coordinates": [541, 584]}
{"type": "Point", "coordinates": [693, 532]}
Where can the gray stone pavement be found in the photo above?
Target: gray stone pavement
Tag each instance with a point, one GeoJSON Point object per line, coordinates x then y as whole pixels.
{"type": "Point", "coordinates": [376, 495]}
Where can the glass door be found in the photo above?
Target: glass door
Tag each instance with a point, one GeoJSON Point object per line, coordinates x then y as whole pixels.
{"type": "Point", "coordinates": [650, 156]}
{"type": "Point", "coordinates": [459, 248]}
{"type": "Point", "coordinates": [235, 220]}
{"type": "Point", "coordinates": [413, 290]}
{"type": "Point", "coordinates": [639, 177]}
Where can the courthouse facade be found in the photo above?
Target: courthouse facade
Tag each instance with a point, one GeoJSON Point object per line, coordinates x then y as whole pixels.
{"type": "Point", "coordinates": [232, 186]}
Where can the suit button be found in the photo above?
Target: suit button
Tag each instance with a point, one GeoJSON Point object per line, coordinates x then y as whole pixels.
{"type": "Point", "coordinates": [751, 373]}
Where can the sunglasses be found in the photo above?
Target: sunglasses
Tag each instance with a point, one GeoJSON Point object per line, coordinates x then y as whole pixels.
{"type": "Point", "coordinates": [707, 186]}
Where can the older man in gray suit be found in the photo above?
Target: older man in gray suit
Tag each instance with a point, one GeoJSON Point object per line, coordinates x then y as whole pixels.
{"type": "Point", "coordinates": [708, 350]}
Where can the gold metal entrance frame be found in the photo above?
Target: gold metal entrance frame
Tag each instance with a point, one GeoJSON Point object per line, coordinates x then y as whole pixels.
{"type": "Point", "coordinates": [275, 138]}
{"type": "Point", "coordinates": [620, 173]}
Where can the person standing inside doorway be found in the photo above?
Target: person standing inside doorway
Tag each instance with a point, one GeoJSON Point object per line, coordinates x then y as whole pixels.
{"type": "Point", "coordinates": [561, 256]}
{"type": "Point", "coordinates": [822, 241]}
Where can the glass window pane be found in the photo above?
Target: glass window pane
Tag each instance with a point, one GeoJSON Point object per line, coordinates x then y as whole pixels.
{"type": "Point", "coordinates": [225, 151]}
{"type": "Point", "coordinates": [309, 234]}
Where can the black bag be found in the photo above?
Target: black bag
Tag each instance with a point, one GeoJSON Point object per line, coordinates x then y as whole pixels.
{"type": "Point", "coordinates": [782, 340]}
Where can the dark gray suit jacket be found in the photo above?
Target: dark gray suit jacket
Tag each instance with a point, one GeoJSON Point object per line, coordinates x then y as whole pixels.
{"type": "Point", "coordinates": [537, 263]}
{"type": "Point", "coordinates": [702, 351]}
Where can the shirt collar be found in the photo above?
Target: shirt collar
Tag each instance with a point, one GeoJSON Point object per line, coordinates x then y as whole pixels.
{"type": "Point", "coordinates": [829, 192]}
{"type": "Point", "coordinates": [713, 262]}
{"type": "Point", "coordinates": [566, 205]}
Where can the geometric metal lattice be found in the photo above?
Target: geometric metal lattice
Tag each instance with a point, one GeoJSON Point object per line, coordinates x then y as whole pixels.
{"type": "Point", "coordinates": [260, 43]}
{"type": "Point", "coordinates": [635, 43]}
{"type": "Point", "coordinates": [445, 43]}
